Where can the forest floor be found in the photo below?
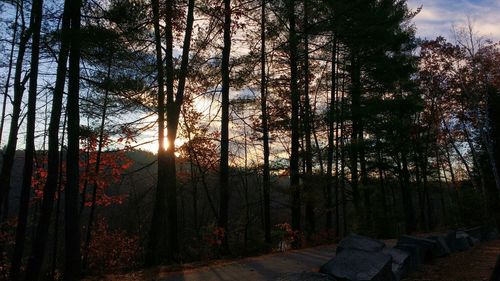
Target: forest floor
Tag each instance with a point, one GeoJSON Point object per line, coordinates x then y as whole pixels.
{"type": "Point", "coordinates": [473, 265]}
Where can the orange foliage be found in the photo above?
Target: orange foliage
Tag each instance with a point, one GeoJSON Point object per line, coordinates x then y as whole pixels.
{"type": "Point", "coordinates": [287, 236]}
{"type": "Point", "coordinates": [112, 249]}
{"type": "Point", "coordinates": [7, 233]}
{"type": "Point", "coordinates": [214, 236]}
{"type": "Point", "coordinates": [111, 167]}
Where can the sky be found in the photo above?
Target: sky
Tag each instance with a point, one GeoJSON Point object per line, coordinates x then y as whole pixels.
{"type": "Point", "coordinates": [436, 18]}
{"type": "Point", "coordinates": [439, 16]}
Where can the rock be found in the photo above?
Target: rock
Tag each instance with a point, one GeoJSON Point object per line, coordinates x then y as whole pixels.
{"type": "Point", "coordinates": [305, 276]}
{"type": "Point", "coordinates": [451, 240]}
{"type": "Point", "coordinates": [358, 242]}
{"type": "Point", "coordinates": [475, 232]}
{"type": "Point", "coordinates": [489, 233]}
{"type": "Point", "coordinates": [441, 249]}
{"type": "Point", "coordinates": [414, 255]}
{"type": "Point", "coordinates": [400, 262]}
{"type": "Point", "coordinates": [398, 272]}
{"type": "Point", "coordinates": [462, 241]}
{"type": "Point", "coordinates": [470, 241]}
{"type": "Point", "coordinates": [427, 246]}
{"type": "Point", "coordinates": [359, 265]}
{"type": "Point", "coordinates": [473, 241]}
{"type": "Point", "coordinates": [492, 235]}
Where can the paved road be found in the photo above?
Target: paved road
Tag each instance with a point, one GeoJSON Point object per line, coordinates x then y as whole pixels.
{"type": "Point", "coordinates": [261, 268]}
{"type": "Point", "coordinates": [267, 267]}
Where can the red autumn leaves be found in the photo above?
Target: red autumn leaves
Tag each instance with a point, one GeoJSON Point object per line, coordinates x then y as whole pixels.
{"type": "Point", "coordinates": [109, 172]}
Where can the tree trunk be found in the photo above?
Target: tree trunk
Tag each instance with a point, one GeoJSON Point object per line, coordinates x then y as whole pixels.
{"type": "Point", "coordinates": [224, 147]}
{"type": "Point", "coordinates": [172, 122]}
{"type": "Point", "coordinates": [356, 123]}
{"type": "Point", "coordinates": [35, 25]}
{"type": "Point", "coordinates": [381, 178]}
{"type": "Point", "coordinates": [194, 195]}
{"type": "Point", "coordinates": [331, 144]}
{"type": "Point", "coordinates": [266, 177]}
{"type": "Point", "coordinates": [42, 229]}
{"type": "Point", "coordinates": [10, 150]}
{"type": "Point", "coordinates": [454, 184]}
{"type": "Point", "coordinates": [72, 270]}
{"type": "Point", "coordinates": [174, 109]}
{"type": "Point", "coordinates": [418, 181]}
{"type": "Point", "coordinates": [157, 245]}
{"type": "Point", "coordinates": [244, 180]}
{"type": "Point", "coordinates": [163, 237]}
{"type": "Point", "coordinates": [406, 193]}
{"type": "Point", "coordinates": [495, 275]}
{"type": "Point", "coordinates": [100, 144]}
{"type": "Point", "coordinates": [58, 203]}
{"type": "Point", "coordinates": [310, 219]}
{"type": "Point", "coordinates": [9, 71]}
{"type": "Point", "coordinates": [295, 99]}
{"type": "Point", "coordinates": [492, 194]}
{"type": "Point", "coordinates": [475, 157]}
{"type": "Point", "coordinates": [441, 188]}
{"type": "Point", "coordinates": [342, 157]}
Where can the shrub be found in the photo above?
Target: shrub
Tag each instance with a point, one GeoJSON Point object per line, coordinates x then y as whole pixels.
{"type": "Point", "coordinates": [112, 249]}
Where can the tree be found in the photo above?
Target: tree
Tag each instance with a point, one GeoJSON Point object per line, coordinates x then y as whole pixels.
{"type": "Point", "coordinates": [166, 161]}
{"type": "Point", "coordinates": [332, 110]}
{"type": "Point", "coordinates": [10, 150]}
{"type": "Point", "coordinates": [266, 178]}
{"type": "Point", "coordinates": [295, 99]}
{"type": "Point", "coordinates": [72, 270]}
{"type": "Point", "coordinates": [224, 146]}
{"type": "Point", "coordinates": [376, 35]}
{"type": "Point", "coordinates": [41, 234]}
{"type": "Point", "coordinates": [157, 246]}
{"type": "Point", "coordinates": [310, 220]}
{"type": "Point", "coordinates": [35, 24]}
{"type": "Point", "coordinates": [9, 71]}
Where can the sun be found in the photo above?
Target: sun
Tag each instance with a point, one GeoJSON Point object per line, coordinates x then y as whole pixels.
{"type": "Point", "coordinates": [152, 144]}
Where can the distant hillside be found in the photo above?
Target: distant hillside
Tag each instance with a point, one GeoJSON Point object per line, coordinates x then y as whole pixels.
{"type": "Point", "coordinates": [140, 159]}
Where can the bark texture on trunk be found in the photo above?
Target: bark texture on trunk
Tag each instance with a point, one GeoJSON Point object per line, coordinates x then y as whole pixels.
{"type": "Point", "coordinates": [51, 184]}
{"type": "Point", "coordinates": [22, 222]}
{"type": "Point", "coordinates": [295, 99]}
{"type": "Point", "coordinates": [224, 147]}
{"type": "Point", "coordinates": [72, 268]}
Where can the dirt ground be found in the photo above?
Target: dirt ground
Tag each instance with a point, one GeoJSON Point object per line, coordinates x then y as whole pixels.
{"type": "Point", "coordinates": [473, 265]}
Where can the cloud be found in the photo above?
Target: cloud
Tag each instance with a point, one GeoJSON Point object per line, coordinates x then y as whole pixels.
{"type": "Point", "coordinates": [438, 17]}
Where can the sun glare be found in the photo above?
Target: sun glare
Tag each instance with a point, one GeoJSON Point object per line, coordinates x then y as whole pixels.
{"type": "Point", "coordinates": [153, 145]}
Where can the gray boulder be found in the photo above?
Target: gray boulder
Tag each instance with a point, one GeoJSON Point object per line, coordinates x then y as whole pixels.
{"type": "Point", "coordinates": [441, 249]}
{"type": "Point", "coordinates": [427, 246]}
{"type": "Point", "coordinates": [462, 241]}
{"type": "Point", "coordinates": [400, 262]}
{"type": "Point", "coordinates": [451, 240]}
{"type": "Point", "coordinates": [473, 241]}
{"type": "Point", "coordinates": [492, 235]}
{"type": "Point", "coordinates": [305, 276]}
{"type": "Point", "coordinates": [475, 232]}
{"type": "Point", "coordinates": [489, 233]}
{"type": "Point", "coordinates": [358, 265]}
{"type": "Point", "coordinates": [358, 242]}
{"type": "Point", "coordinates": [414, 255]}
